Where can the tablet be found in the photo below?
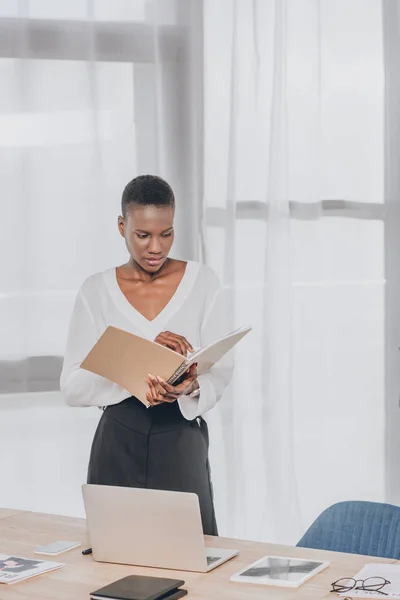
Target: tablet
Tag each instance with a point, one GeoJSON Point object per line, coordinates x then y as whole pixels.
{"type": "Point", "coordinates": [280, 570]}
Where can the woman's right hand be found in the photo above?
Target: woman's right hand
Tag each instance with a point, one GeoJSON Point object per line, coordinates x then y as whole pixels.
{"type": "Point", "coordinates": [160, 391]}
{"type": "Point", "coordinates": [174, 342]}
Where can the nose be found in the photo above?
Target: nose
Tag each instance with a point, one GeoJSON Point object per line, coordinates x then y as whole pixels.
{"type": "Point", "coordinates": [154, 246]}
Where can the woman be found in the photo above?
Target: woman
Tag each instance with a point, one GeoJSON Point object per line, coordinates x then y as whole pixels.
{"type": "Point", "coordinates": [175, 303]}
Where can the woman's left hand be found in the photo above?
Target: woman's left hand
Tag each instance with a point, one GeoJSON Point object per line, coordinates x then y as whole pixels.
{"type": "Point", "coordinates": [161, 391]}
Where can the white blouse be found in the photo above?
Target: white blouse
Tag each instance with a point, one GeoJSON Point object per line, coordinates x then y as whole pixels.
{"type": "Point", "coordinates": [196, 311]}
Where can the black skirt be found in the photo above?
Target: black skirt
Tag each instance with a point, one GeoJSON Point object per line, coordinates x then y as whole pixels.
{"type": "Point", "coordinates": [155, 448]}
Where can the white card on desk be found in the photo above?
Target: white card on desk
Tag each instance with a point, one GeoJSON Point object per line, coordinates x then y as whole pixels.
{"type": "Point", "coordinates": [57, 547]}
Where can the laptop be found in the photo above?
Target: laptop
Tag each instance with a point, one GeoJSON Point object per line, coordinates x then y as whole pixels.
{"type": "Point", "coordinates": [150, 528]}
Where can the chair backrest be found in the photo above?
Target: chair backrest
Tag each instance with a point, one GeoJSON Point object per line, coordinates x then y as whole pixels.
{"type": "Point", "coordinates": [368, 528]}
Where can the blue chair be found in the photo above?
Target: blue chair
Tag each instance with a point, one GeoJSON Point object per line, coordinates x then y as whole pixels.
{"type": "Point", "coordinates": [368, 528]}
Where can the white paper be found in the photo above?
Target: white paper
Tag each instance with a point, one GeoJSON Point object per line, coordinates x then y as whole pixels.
{"type": "Point", "coordinates": [389, 572]}
{"type": "Point", "coordinates": [16, 568]}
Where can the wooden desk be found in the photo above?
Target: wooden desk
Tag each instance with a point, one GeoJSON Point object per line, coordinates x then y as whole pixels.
{"type": "Point", "coordinates": [5, 513]}
{"type": "Point", "coordinates": [22, 533]}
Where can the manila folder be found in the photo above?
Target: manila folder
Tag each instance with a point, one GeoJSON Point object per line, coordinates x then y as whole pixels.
{"type": "Point", "coordinates": [126, 359]}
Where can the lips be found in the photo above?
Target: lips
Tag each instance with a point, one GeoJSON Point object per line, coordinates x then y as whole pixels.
{"type": "Point", "coordinates": [154, 261]}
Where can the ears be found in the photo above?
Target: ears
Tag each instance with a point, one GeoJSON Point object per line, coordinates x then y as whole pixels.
{"type": "Point", "coordinates": [121, 225]}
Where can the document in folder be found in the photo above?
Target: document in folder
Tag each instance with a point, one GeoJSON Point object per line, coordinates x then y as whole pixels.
{"type": "Point", "coordinates": [126, 359]}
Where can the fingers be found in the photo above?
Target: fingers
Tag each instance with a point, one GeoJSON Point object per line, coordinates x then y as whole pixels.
{"type": "Point", "coordinates": [160, 391]}
{"type": "Point", "coordinates": [177, 345]}
{"type": "Point", "coordinates": [183, 388]}
{"type": "Point", "coordinates": [171, 391]}
{"type": "Point", "coordinates": [151, 401]}
{"type": "Point", "coordinates": [165, 387]}
{"type": "Point", "coordinates": [193, 370]}
{"type": "Point", "coordinates": [182, 341]}
{"type": "Point", "coordinates": [152, 395]}
{"type": "Point", "coordinates": [170, 342]}
{"type": "Point", "coordinates": [157, 392]}
{"type": "Point", "coordinates": [174, 341]}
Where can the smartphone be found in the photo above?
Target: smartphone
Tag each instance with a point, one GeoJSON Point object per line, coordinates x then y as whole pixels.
{"type": "Point", "coordinates": [57, 547]}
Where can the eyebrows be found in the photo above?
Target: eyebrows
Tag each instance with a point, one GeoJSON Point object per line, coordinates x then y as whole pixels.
{"type": "Point", "coordinates": [149, 232]}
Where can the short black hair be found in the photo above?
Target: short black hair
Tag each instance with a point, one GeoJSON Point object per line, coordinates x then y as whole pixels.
{"type": "Point", "coordinates": [147, 190]}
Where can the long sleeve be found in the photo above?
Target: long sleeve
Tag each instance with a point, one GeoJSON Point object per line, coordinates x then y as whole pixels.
{"type": "Point", "coordinates": [80, 387]}
{"type": "Point", "coordinates": [214, 382]}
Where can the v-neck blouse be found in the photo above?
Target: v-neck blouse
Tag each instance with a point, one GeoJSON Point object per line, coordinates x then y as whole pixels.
{"type": "Point", "coordinates": [196, 311]}
{"type": "Point", "coordinates": [132, 314]}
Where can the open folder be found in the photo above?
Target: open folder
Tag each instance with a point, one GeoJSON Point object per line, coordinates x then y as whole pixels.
{"type": "Point", "coordinates": [126, 359]}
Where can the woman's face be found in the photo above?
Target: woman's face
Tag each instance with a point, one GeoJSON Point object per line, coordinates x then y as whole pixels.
{"type": "Point", "coordinates": [149, 235]}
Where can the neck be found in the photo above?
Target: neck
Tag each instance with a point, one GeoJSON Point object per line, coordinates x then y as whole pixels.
{"type": "Point", "coordinates": [142, 274]}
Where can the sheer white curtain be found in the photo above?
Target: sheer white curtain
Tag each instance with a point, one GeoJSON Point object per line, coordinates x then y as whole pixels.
{"type": "Point", "coordinates": [293, 192]}
{"type": "Point", "coordinates": [266, 116]}
{"type": "Point", "coordinates": [93, 93]}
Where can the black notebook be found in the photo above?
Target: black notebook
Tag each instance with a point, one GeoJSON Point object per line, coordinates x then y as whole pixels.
{"type": "Point", "coordinates": [139, 587]}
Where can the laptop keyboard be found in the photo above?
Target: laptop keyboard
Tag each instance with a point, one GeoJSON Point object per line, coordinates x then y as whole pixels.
{"type": "Point", "coordinates": [212, 559]}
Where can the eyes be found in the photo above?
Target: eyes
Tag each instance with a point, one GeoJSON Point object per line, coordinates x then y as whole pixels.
{"type": "Point", "coordinates": [143, 236]}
